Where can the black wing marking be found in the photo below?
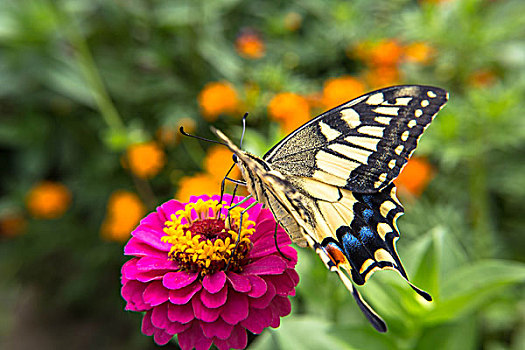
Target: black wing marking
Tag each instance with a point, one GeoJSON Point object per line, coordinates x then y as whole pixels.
{"type": "Point", "coordinates": [363, 144]}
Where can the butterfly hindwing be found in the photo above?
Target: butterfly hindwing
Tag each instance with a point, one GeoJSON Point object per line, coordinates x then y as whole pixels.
{"type": "Point", "coordinates": [363, 144]}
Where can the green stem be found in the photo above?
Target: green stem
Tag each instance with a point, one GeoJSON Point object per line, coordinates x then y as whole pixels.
{"type": "Point", "coordinates": [87, 65]}
{"type": "Point", "coordinates": [145, 191]}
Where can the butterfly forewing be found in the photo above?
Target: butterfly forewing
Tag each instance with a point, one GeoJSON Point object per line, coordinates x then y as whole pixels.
{"type": "Point", "coordinates": [361, 145]}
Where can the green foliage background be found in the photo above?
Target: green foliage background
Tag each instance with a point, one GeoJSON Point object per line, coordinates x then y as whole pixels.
{"type": "Point", "coordinates": [81, 80]}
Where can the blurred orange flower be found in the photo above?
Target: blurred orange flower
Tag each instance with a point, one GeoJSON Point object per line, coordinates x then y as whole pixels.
{"type": "Point", "coordinates": [415, 176]}
{"type": "Point", "coordinates": [339, 90]}
{"type": "Point", "coordinates": [48, 200]}
{"type": "Point", "coordinates": [482, 78]}
{"type": "Point", "coordinates": [249, 44]}
{"type": "Point", "coordinates": [197, 184]}
{"type": "Point", "coordinates": [419, 52]}
{"type": "Point", "coordinates": [124, 212]}
{"type": "Point", "coordinates": [12, 224]}
{"type": "Point", "coordinates": [387, 52]}
{"type": "Point", "coordinates": [218, 161]}
{"type": "Point", "coordinates": [378, 77]}
{"type": "Point", "coordinates": [145, 159]}
{"type": "Point", "coordinates": [217, 98]}
{"type": "Point", "coordinates": [290, 110]}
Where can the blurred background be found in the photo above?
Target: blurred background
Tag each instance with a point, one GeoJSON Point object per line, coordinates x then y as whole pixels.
{"type": "Point", "coordinates": [92, 94]}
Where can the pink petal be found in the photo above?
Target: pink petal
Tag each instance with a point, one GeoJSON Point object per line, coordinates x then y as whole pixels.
{"type": "Point", "coordinates": [193, 338]}
{"type": "Point", "coordinates": [167, 209]}
{"type": "Point", "coordinates": [149, 263]}
{"type": "Point", "coordinates": [293, 276]}
{"type": "Point", "coordinates": [202, 312]}
{"type": "Point", "coordinates": [264, 301]}
{"type": "Point", "coordinates": [257, 320]}
{"type": "Point", "coordinates": [129, 269]}
{"type": "Point", "coordinates": [237, 340]}
{"type": "Point", "coordinates": [214, 300]}
{"type": "Point", "coordinates": [132, 292]}
{"type": "Point", "coordinates": [183, 295]}
{"type": "Point", "coordinates": [147, 326]}
{"type": "Point", "coordinates": [179, 279]}
{"type": "Point", "coordinates": [159, 316]}
{"type": "Point", "coordinates": [161, 337]}
{"type": "Point", "coordinates": [258, 286]}
{"type": "Point", "coordinates": [236, 308]}
{"type": "Point", "coordinates": [180, 313]}
{"type": "Point", "coordinates": [214, 282]}
{"type": "Point", "coordinates": [283, 284]}
{"type": "Point", "coordinates": [153, 222]}
{"type": "Point", "coordinates": [176, 327]}
{"type": "Point", "coordinates": [266, 246]}
{"type": "Point", "coordinates": [239, 283]}
{"type": "Point", "coordinates": [151, 238]}
{"type": "Point", "coordinates": [291, 254]}
{"type": "Point", "coordinates": [281, 305]}
{"type": "Point", "coordinates": [137, 248]}
{"type": "Point", "coordinates": [269, 265]}
{"type": "Point", "coordinates": [151, 275]}
{"type": "Point", "coordinates": [219, 329]}
{"type": "Point", "coordinates": [265, 227]}
{"type": "Point", "coordinates": [155, 294]}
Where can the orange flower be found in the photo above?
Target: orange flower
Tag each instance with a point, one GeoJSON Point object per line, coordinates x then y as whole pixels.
{"type": "Point", "coordinates": [12, 224]}
{"type": "Point", "coordinates": [419, 52]}
{"type": "Point", "coordinates": [217, 98]}
{"type": "Point", "coordinates": [145, 159]}
{"type": "Point", "coordinates": [124, 212]}
{"type": "Point", "coordinates": [48, 200]}
{"type": "Point", "coordinates": [197, 184]}
{"type": "Point", "coordinates": [249, 44]}
{"type": "Point", "coordinates": [218, 161]}
{"type": "Point", "coordinates": [378, 77]}
{"type": "Point", "coordinates": [482, 78]}
{"type": "Point", "coordinates": [415, 176]}
{"type": "Point", "coordinates": [290, 110]}
{"type": "Point", "coordinates": [339, 90]}
{"type": "Point", "coordinates": [385, 53]}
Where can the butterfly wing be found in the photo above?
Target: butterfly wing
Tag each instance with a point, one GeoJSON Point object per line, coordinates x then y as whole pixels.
{"type": "Point", "coordinates": [363, 144]}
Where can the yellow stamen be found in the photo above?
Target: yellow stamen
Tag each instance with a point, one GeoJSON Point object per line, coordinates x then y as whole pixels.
{"type": "Point", "coordinates": [206, 251]}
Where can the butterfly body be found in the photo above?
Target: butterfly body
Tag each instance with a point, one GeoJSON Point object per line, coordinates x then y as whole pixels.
{"type": "Point", "coordinates": [329, 183]}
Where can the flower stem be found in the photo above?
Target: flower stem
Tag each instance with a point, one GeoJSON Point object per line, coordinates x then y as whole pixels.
{"type": "Point", "coordinates": [145, 191]}
{"type": "Point", "coordinates": [87, 65]}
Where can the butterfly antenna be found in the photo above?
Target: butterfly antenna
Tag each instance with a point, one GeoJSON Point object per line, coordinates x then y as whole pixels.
{"type": "Point", "coordinates": [243, 127]}
{"type": "Point", "coordinates": [199, 137]}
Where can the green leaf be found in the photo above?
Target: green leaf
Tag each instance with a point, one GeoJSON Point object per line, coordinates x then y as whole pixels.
{"type": "Point", "coordinates": [471, 286]}
{"type": "Point", "coordinates": [300, 332]}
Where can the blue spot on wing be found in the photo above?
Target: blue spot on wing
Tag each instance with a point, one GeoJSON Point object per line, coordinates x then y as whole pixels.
{"type": "Point", "coordinates": [351, 243]}
{"type": "Point", "coordinates": [367, 214]}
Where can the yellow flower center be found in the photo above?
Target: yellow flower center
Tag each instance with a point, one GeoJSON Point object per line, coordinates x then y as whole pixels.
{"type": "Point", "coordinates": [204, 240]}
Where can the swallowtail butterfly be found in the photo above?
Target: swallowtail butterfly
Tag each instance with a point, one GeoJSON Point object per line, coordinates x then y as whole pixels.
{"type": "Point", "coordinates": [329, 183]}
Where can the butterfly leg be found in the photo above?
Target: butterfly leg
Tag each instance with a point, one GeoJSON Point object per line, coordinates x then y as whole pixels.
{"type": "Point", "coordinates": [240, 227]}
{"type": "Point", "coordinates": [276, 245]}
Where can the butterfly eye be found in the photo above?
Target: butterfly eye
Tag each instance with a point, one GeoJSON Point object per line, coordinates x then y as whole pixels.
{"type": "Point", "coordinates": [235, 159]}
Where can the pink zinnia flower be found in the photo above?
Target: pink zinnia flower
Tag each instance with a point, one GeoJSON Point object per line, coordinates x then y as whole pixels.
{"type": "Point", "coordinates": [178, 274]}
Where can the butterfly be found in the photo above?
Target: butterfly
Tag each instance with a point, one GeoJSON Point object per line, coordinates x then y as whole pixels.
{"type": "Point", "coordinates": [329, 182]}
